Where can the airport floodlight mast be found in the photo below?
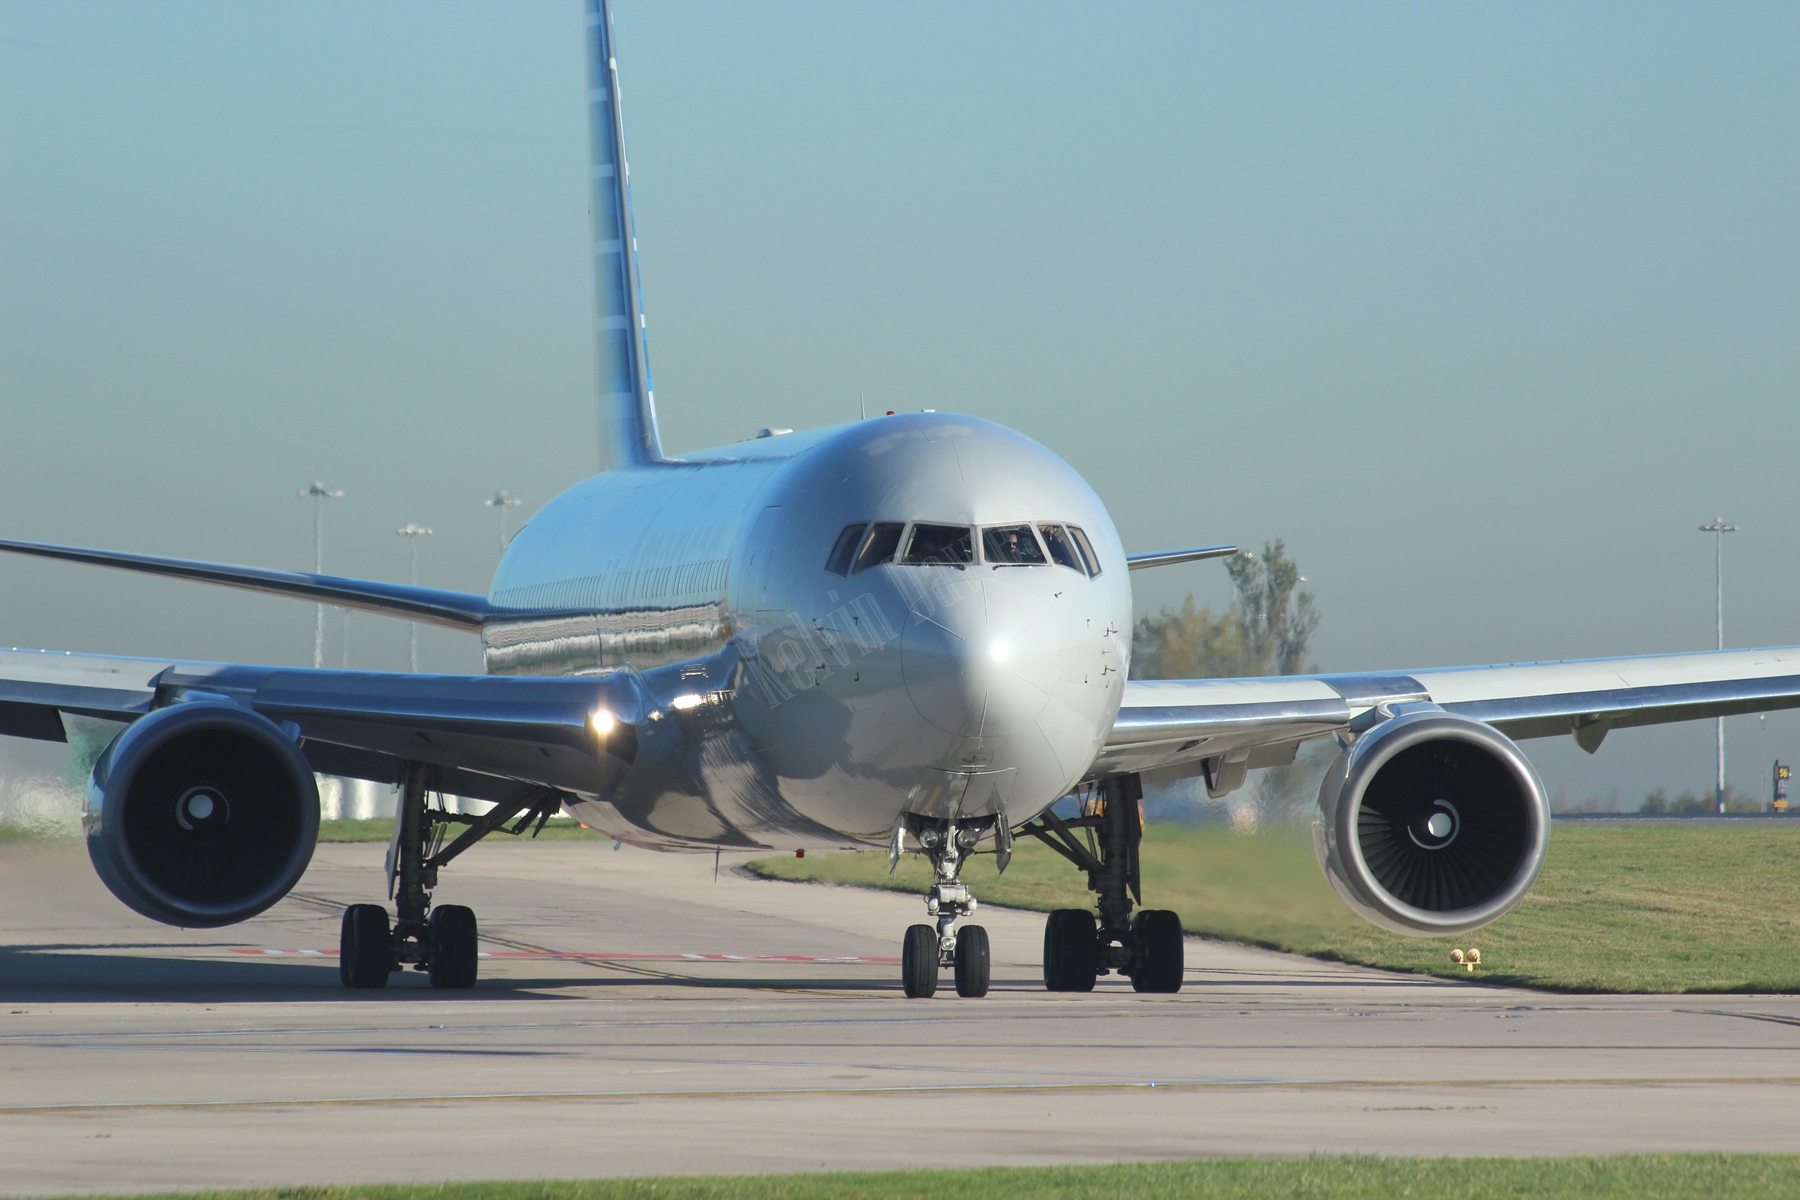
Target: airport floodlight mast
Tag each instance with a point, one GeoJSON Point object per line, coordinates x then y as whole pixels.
{"type": "Point", "coordinates": [412, 533]}
{"type": "Point", "coordinates": [1719, 529]}
{"type": "Point", "coordinates": [500, 501]}
{"type": "Point", "coordinates": [319, 493]}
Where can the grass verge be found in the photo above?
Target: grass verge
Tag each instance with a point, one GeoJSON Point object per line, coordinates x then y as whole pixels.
{"type": "Point", "coordinates": [1618, 908]}
{"type": "Point", "coordinates": [1340, 1177]}
{"type": "Point", "coordinates": [13, 834]}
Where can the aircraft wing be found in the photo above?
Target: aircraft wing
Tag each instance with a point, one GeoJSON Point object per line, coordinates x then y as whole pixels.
{"type": "Point", "coordinates": [1222, 727]}
{"type": "Point", "coordinates": [455, 610]}
{"type": "Point", "coordinates": [485, 733]}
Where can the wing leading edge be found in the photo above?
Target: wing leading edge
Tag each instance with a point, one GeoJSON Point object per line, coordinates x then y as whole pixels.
{"type": "Point", "coordinates": [1222, 727]}
{"type": "Point", "coordinates": [457, 610]}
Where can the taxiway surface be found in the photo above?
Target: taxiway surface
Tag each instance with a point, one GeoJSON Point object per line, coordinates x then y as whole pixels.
{"type": "Point", "coordinates": [637, 1017]}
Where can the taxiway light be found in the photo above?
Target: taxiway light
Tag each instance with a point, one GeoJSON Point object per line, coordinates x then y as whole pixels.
{"type": "Point", "coordinates": [685, 702]}
{"type": "Point", "coordinates": [603, 722]}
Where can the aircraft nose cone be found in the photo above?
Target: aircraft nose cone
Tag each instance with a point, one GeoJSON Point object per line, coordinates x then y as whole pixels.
{"type": "Point", "coordinates": [973, 653]}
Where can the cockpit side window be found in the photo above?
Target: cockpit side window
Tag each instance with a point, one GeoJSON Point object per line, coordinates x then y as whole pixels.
{"type": "Point", "coordinates": [879, 546]}
{"type": "Point", "coordinates": [939, 545]}
{"type": "Point", "coordinates": [1062, 548]}
{"type": "Point", "coordinates": [1087, 550]}
{"type": "Point", "coordinates": [1012, 546]}
{"type": "Point", "coordinates": [844, 552]}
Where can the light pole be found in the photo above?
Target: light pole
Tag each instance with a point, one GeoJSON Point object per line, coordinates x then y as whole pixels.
{"type": "Point", "coordinates": [500, 501]}
{"type": "Point", "coordinates": [319, 493]}
{"type": "Point", "coordinates": [1719, 529]}
{"type": "Point", "coordinates": [1762, 731]}
{"type": "Point", "coordinates": [412, 533]}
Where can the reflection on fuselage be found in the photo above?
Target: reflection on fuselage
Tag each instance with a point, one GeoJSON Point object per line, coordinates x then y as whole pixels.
{"type": "Point", "coordinates": [825, 691]}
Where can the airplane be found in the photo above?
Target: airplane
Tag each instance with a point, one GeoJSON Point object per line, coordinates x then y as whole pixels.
{"type": "Point", "coordinates": [909, 632]}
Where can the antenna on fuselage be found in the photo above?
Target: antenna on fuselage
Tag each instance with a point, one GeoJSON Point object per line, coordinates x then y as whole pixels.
{"type": "Point", "coordinates": [627, 402]}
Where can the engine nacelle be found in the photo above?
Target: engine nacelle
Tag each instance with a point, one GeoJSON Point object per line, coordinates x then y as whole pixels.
{"type": "Point", "coordinates": [1432, 824]}
{"type": "Point", "coordinates": [201, 814]}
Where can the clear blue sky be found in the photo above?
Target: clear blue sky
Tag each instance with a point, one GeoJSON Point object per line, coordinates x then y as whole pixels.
{"type": "Point", "coordinates": [1483, 309]}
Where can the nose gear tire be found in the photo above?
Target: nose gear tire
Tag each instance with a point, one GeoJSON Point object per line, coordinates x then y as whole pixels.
{"type": "Point", "coordinates": [919, 962]}
{"type": "Point", "coordinates": [365, 947]}
{"type": "Point", "coordinates": [971, 961]}
{"type": "Point", "coordinates": [454, 953]}
{"type": "Point", "coordinates": [1159, 965]}
{"type": "Point", "coordinates": [1071, 951]}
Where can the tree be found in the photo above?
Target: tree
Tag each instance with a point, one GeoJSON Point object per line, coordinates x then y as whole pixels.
{"type": "Point", "coordinates": [1735, 802]}
{"type": "Point", "coordinates": [1265, 631]}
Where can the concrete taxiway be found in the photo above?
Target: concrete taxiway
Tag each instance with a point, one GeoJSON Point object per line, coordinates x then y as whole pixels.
{"type": "Point", "coordinates": [637, 1016]}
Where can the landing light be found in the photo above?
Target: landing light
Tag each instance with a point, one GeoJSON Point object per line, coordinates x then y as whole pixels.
{"type": "Point", "coordinates": [685, 702]}
{"type": "Point", "coordinates": [603, 722]}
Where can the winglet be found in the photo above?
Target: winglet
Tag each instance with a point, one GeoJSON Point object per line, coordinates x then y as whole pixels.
{"type": "Point", "coordinates": [1163, 558]}
{"type": "Point", "coordinates": [627, 402]}
{"type": "Point", "coordinates": [458, 610]}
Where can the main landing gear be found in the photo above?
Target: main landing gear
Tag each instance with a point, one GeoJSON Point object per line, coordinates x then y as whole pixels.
{"type": "Point", "coordinates": [440, 941]}
{"type": "Point", "coordinates": [926, 951]}
{"type": "Point", "coordinates": [1078, 948]}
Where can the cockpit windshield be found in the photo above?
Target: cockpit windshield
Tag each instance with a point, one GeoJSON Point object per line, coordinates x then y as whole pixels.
{"type": "Point", "coordinates": [863, 545]}
{"type": "Point", "coordinates": [1062, 548]}
{"type": "Point", "coordinates": [1012, 546]}
{"type": "Point", "coordinates": [939, 545]}
{"type": "Point", "coordinates": [1087, 550]}
{"type": "Point", "coordinates": [844, 552]}
{"type": "Point", "coordinates": [879, 546]}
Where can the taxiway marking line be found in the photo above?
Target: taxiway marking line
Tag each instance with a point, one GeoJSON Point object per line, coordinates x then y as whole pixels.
{"type": "Point", "coordinates": [1226, 1085]}
{"type": "Point", "coordinates": [1776, 1018]}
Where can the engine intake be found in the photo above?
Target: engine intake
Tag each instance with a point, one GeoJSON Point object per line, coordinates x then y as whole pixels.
{"type": "Point", "coordinates": [1432, 824]}
{"type": "Point", "coordinates": [201, 814]}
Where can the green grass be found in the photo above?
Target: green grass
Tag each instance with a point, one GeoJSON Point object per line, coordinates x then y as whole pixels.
{"type": "Point", "coordinates": [1618, 908]}
{"type": "Point", "coordinates": [381, 829]}
{"type": "Point", "coordinates": [1342, 1178]}
{"type": "Point", "coordinates": [13, 834]}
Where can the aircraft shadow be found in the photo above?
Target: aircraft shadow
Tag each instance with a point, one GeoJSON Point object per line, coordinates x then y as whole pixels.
{"type": "Point", "coordinates": [130, 973]}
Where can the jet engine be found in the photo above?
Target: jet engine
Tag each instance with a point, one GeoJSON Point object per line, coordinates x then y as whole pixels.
{"type": "Point", "coordinates": [1432, 824]}
{"type": "Point", "coordinates": [201, 814]}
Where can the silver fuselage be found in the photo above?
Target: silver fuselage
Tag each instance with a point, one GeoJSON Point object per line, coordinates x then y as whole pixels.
{"type": "Point", "coordinates": [783, 705]}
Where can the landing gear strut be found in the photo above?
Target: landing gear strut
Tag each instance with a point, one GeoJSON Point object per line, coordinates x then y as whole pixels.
{"type": "Point", "coordinates": [440, 941]}
{"type": "Point", "coordinates": [925, 951]}
{"type": "Point", "coordinates": [1080, 946]}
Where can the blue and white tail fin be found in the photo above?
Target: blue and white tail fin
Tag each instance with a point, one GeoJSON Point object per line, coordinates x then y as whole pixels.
{"type": "Point", "coordinates": [627, 403]}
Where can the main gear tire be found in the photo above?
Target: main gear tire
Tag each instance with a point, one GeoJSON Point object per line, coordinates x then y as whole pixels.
{"type": "Point", "coordinates": [1071, 951]}
{"type": "Point", "coordinates": [919, 962]}
{"type": "Point", "coordinates": [972, 961]}
{"type": "Point", "coordinates": [455, 953]}
{"type": "Point", "coordinates": [365, 947]}
{"type": "Point", "coordinates": [1159, 964]}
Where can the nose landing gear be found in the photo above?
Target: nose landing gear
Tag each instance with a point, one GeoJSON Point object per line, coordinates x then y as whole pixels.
{"type": "Point", "coordinates": [1078, 948]}
{"type": "Point", "coordinates": [925, 951]}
